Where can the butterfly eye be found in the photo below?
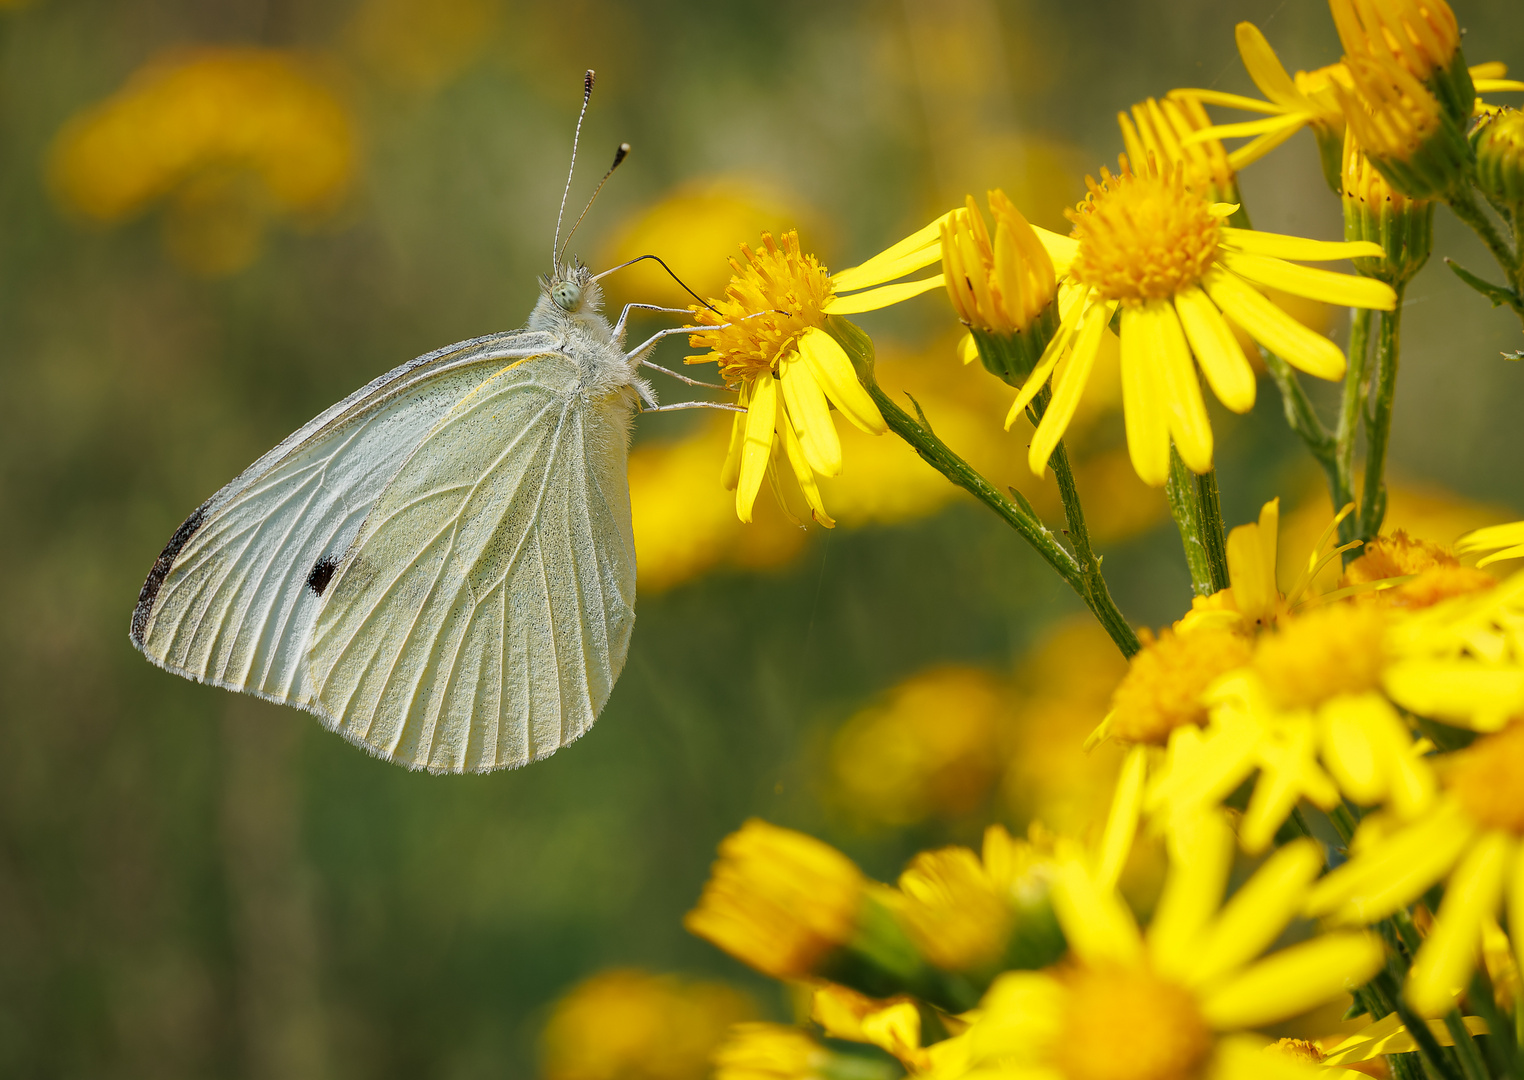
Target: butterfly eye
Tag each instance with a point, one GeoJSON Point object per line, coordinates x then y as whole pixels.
{"type": "Point", "coordinates": [567, 295]}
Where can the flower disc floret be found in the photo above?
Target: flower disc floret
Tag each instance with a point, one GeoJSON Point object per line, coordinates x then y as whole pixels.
{"type": "Point", "coordinates": [1143, 237]}
{"type": "Point", "coordinates": [1165, 681]}
{"type": "Point", "coordinates": [1126, 1023]}
{"type": "Point", "coordinates": [1487, 778]}
{"type": "Point", "coordinates": [1331, 650]}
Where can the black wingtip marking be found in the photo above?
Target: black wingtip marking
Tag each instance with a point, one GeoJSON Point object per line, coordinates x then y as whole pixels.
{"type": "Point", "coordinates": [160, 571]}
{"type": "Point", "coordinates": [322, 574]}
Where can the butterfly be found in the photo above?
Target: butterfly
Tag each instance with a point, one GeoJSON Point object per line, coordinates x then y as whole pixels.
{"type": "Point", "coordinates": [441, 566]}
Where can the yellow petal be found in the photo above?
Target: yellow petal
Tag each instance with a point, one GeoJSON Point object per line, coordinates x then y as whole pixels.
{"type": "Point", "coordinates": [833, 372]}
{"type": "Point", "coordinates": [1061, 249]}
{"type": "Point", "coordinates": [1258, 912]}
{"type": "Point", "coordinates": [1189, 425]}
{"type": "Point", "coordinates": [1493, 536]}
{"type": "Point", "coordinates": [1293, 981]}
{"type": "Point", "coordinates": [1444, 964]}
{"type": "Point", "coordinates": [1346, 290]}
{"type": "Point", "coordinates": [968, 349]}
{"type": "Point", "coordinates": [1228, 101]}
{"type": "Point", "coordinates": [730, 472]}
{"type": "Point", "coordinates": [807, 408]}
{"type": "Point", "coordinates": [1251, 152]}
{"type": "Point", "coordinates": [1248, 127]}
{"type": "Point", "coordinates": [921, 248]}
{"type": "Point", "coordinates": [1051, 355]}
{"type": "Point", "coordinates": [1280, 246]}
{"type": "Point", "coordinates": [881, 297]}
{"type": "Point", "coordinates": [1265, 68]}
{"type": "Point", "coordinates": [1251, 563]}
{"type": "Point", "coordinates": [804, 474]}
{"type": "Point", "coordinates": [1516, 907]}
{"type": "Point", "coordinates": [1221, 358]}
{"type": "Point", "coordinates": [1142, 404]}
{"type": "Point", "coordinates": [1394, 872]}
{"type": "Point", "coordinates": [757, 445]}
{"type": "Point", "coordinates": [1096, 922]}
{"type": "Point", "coordinates": [1201, 854]}
{"type": "Point", "coordinates": [1122, 820]}
{"type": "Point", "coordinates": [1479, 696]}
{"type": "Point", "coordinates": [1273, 328]}
{"type": "Point", "coordinates": [1070, 386]}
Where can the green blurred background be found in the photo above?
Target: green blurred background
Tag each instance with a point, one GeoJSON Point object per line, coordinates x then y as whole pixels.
{"type": "Point", "coordinates": [194, 884]}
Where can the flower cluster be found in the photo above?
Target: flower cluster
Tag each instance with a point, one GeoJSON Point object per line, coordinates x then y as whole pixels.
{"type": "Point", "coordinates": [1328, 744]}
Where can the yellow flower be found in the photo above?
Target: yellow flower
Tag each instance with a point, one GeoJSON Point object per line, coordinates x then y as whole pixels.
{"type": "Point", "coordinates": [1471, 838]}
{"type": "Point", "coordinates": [1373, 210]}
{"type": "Point", "coordinates": [960, 910]}
{"type": "Point", "coordinates": [1160, 251]}
{"type": "Point", "coordinates": [230, 136]}
{"type": "Point", "coordinates": [1176, 1002]}
{"type": "Point", "coordinates": [1430, 573]}
{"type": "Point", "coordinates": [1166, 679]}
{"type": "Point", "coordinates": [1292, 104]}
{"type": "Point", "coordinates": [1421, 37]}
{"type": "Point", "coordinates": [1165, 130]}
{"type": "Point", "coordinates": [771, 337]}
{"type": "Point", "coordinates": [630, 1025]}
{"type": "Point", "coordinates": [778, 900]}
{"type": "Point", "coordinates": [927, 749]}
{"type": "Point", "coordinates": [1388, 1036]}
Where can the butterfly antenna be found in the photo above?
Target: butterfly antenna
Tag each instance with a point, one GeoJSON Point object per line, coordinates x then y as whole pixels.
{"type": "Point", "coordinates": [619, 156]}
{"type": "Point", "coordinates": [587, 92]}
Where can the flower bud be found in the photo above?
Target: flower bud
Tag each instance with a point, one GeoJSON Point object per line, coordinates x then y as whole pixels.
{"type": "Point", "coordinates": [1405, 132]}
{"type": "Point", "coordinates": [1499, 144]}
{"type": "Point", "coordinates": [1374, 211]}
{"type": "Point", "coordinates": [1002, 287]}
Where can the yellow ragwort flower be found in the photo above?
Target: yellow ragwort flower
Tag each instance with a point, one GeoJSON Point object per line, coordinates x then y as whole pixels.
{"type": "Point", "coordinates": [1176, 1002]}
{"type": "Point", "coordinates": [1148, 243]}
{"type": "Point", "coordinates": [778, 900]}
{"type": "Point", "coordinates": [1373, 210]}
{"type": "Point", "coordinates": [229, 136]}
{"type": "Point", "coordinates": [1470, 838]}
{"type": "Point", "coordinates": [1166, 679]}
{"type": "Point", "coordinates": [1421, 37]}
{"type": "Point", "coordinates": [1430, 573]}
{"type": "Point", "coordinates": [771, 337]}
{"type": "Point", "coordinates": [631, 1025]}
{"type": "Point", "coordinates": [953, 910]}
{"type": "Point", "coordinates": [1292, 103]}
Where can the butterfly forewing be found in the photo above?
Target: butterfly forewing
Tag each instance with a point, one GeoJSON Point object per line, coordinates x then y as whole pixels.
{"type": "Point", "coordinates": [234, 597]}
{"type": "Point", "coordinates": [484, 611]}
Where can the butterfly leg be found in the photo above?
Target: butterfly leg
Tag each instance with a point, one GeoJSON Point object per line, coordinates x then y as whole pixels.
{"type": "Point", "coordinates": [683, 378]}
{"type": "Point", "coordinates": [676, 405]}
{"type": "Point", "coordinates": [625, 315]}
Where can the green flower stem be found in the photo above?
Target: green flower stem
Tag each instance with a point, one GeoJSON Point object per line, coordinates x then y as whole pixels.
{"type": "Point", "coordinates": [1465, 1047]}
{"type": "Point", "coordinates": [1406, 1067]}
{"type": "Point", "coordinates": [1350, 411]}
{"type": "Point", "coordinates": [1197, 512]}
{"type": "Point", "coordinates": [1463, 201]}
{"type": "Point", "coordinates": [1084, 580]}
{"type": "Point", "coordinates": [1378, 421]}
{"type": "Point", "coordinates": [1300, 415]}
{"type": "Point", "coordinates": [1438, 1064]}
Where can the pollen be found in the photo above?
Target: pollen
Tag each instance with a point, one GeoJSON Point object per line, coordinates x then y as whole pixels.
{"type": "Point", "coordinates": [1331, 650]}
{"type": "Point", "coordinates": [1142, 237]}
{"type": "Point", "coordinates": [1488, 777]}
{"type": "Point", "coordinates": [1164, 682]}
{"type": "Point", "coordinates": [775, 295]}
{"type": "Point", "coordinates": [1128, 1024]}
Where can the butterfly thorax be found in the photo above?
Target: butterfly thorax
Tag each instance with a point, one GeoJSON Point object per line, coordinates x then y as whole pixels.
{"type": "Point", "coordinates": [570, 307]}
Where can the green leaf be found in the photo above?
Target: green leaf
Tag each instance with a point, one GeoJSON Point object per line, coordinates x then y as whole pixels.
{"type": "Point", "coordinates": [1496, 293]}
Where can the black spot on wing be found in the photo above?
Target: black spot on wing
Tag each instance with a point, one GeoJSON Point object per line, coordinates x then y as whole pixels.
{"type": "Point", "coordinates": [161, 567]}
{"type": "Point", "coordinates": [322, 574]}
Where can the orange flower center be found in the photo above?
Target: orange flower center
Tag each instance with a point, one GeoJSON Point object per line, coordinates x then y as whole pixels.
{"type": "Point", "coordinates": [772, 299]}
{"type": "Point", "coordinates": [1129, 1024]}
{"type": "Point", "coordinates": [1142, 237]}
{"type": "Point", "coordinates": [1488, 777]}
{"type": "Point", "coordinates": [1329, 651]}
{"type": "Point", "coordinates": [1164, 682]}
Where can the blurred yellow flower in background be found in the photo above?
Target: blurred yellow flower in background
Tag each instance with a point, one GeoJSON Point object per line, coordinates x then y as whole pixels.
{"type": "Point", "coordinates": [693, 228]}
{"type": "Point", "coordinates": [231, 137]}
{"type": "Point", "coordinates": [927, 749]}
{"type": "Point", "coordinates": [421, 44]}
{"type": "Point", "coordinates": [626, 1024]}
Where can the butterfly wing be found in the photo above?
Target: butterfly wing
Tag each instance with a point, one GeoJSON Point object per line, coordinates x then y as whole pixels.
{"type": "Point", "coordinates": [233, 598]}
{"type": "Point", "coordinates": [485, 609]}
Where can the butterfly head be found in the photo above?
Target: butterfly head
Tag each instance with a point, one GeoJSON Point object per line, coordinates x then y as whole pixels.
{"type": "Point", "coordinates": [568, 295]}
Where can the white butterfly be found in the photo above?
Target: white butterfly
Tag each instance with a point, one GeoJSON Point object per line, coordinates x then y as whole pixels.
{"type": "Point", "coordinates": [441, 566]}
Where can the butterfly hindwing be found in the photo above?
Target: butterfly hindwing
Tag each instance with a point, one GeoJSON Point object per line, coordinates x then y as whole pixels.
{"type": "Point", "coordinates": [484, 611]}
{"type": "Point", "coordinates": [233, 598]}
